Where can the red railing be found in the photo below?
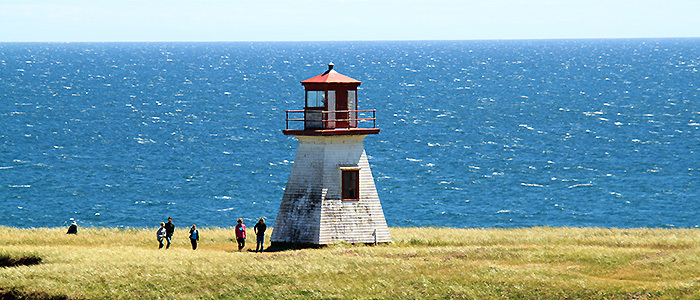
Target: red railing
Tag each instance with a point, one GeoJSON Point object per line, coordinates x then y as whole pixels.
{"type": "Point", "coordinates": [321, 119]}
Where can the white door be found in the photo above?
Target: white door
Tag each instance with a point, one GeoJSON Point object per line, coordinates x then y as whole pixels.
{"type": "Point", "coordinates": [352, 107]}
{"type": "Point", "coordinates": [331, 108]}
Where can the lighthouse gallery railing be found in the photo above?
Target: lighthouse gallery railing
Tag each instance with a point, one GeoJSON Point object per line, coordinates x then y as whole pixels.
{"type": "Point", "coordinates": [332, 119]}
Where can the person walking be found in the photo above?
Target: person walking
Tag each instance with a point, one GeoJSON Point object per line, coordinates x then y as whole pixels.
{"type": "Point", "coordinates": [161, 234]}
{"type": "Point", "coordinates": [259, 230]}
{"type": "Point", "coordinates": [169, 230]}
{"type": "Point", "coordinates": [194, 236]}
{"type": "Point", "coordinates": [240, 234]}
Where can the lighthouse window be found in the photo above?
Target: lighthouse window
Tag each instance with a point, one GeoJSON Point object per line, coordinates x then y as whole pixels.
{"type": "Point", "coordinates": [351, 184]}
{"type": "Point", "coordinates": [315, 99]}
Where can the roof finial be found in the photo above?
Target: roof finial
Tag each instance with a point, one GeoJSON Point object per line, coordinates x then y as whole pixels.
{"type": "Point", "coordinates": [330, 66]}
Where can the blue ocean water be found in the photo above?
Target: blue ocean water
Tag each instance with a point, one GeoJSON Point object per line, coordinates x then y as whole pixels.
{"type": "Point", "coordinates": [473, 133]}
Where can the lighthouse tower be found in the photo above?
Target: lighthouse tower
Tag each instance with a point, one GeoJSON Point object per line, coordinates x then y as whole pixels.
{"type": "Point", "coordinates": [330, 194]}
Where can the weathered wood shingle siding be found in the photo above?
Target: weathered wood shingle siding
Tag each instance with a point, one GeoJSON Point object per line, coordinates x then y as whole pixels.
{"type": "Point", "coordinates": [312, 211]}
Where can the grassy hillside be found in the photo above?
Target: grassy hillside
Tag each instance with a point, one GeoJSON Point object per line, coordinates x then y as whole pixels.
{"type": "Point", "coordinates": [422, 263]}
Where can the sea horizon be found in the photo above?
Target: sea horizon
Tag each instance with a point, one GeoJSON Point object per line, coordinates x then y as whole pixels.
{"type": "Point", "coordinates": [361, 41]}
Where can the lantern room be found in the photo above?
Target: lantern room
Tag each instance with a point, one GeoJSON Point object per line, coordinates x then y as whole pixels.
{"type": "Point", "coordinates": [330, 107]}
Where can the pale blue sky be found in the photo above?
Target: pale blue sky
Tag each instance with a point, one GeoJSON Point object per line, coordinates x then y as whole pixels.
{"type": "Point", "coordinates": [314, 20]}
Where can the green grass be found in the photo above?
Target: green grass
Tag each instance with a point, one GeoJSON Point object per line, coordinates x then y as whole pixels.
{"type": "Point", "coordinates": [422, 263]}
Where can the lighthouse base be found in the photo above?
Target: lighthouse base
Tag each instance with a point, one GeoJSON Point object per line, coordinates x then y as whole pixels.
{"type": "Point", "coordinates": [313, 212]}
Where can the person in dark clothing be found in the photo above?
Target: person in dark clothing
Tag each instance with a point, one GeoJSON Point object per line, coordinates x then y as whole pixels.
{"type": "Point", "coordinates": [194, 236]}
{"type": "Point", "coordinates": [260, 233]}
{"type": "Point", "coordinates": [73, 228]}
{"type": "Point", "coordinates": [169, 230]}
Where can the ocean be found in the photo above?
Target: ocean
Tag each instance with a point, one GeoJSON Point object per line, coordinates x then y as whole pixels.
{"type": "Point", "coordinates": [474, 134]}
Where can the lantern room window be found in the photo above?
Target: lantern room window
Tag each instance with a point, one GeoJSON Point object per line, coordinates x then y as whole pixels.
{"type": "Point", "coordinates": [351, 184]}
{"type": "Point", "coordinates": [316, 99]}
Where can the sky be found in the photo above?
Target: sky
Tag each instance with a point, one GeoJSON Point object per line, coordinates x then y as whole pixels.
{"type": "Point", "coordinates": [342, 20]}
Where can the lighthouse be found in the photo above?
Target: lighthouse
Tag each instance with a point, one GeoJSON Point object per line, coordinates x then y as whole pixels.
{"type": "Point", "coordinates": [330, 195]}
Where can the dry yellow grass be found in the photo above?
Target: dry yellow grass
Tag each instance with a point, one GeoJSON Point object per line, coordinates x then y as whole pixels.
{"type": "Point", "coordinates": [422, 263]}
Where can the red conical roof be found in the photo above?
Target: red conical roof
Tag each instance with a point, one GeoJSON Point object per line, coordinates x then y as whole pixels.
{"type": "Point", "coordinates": [330, 76]}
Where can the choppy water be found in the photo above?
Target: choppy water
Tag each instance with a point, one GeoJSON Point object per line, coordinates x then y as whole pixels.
{"type": "Point", "coordinates": [473, 133]}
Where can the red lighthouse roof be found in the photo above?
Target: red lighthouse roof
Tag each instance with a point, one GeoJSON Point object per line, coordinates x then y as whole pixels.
{"type": "Point", "coordinates": [330, 76]}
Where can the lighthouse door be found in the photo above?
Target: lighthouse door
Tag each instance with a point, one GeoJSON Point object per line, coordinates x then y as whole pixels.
{"type": "Point", "coordinates": [341, 106]}
{"type": "Point", "coordinates": [352, 107]}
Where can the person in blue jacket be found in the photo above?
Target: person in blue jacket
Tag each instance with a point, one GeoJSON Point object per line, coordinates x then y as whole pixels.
{"type": "Point", "coordinates": [194, 236]}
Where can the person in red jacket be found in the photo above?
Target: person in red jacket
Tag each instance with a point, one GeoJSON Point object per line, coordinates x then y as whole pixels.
{"type": "Point", "coordinates": [240, 234]}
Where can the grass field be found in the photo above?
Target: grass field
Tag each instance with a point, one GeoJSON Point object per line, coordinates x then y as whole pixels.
{"type": "Point", "coordinates": [421, 263]}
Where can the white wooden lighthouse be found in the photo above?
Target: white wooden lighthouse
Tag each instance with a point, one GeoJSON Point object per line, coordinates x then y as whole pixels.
{"type": "Point", "coordinates": [330, 194]}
